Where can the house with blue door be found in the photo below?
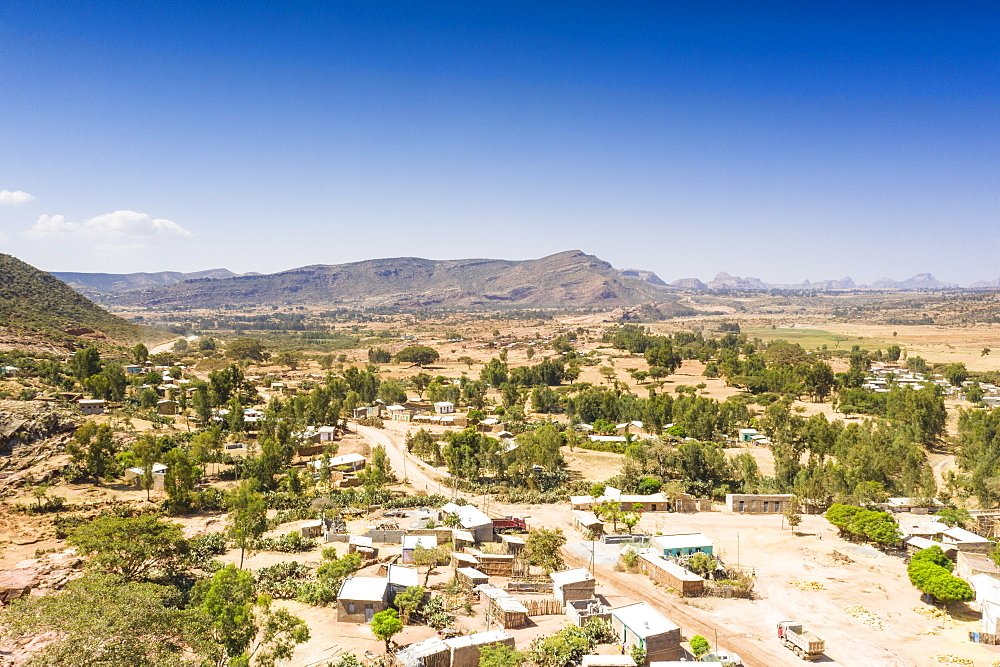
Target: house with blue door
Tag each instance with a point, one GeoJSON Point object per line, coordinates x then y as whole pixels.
{"type": "Point", "coordinates": [685, 544]}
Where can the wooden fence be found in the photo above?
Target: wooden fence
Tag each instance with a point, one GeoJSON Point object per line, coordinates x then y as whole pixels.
{"type": "Point", "coordinates": [543, 607]}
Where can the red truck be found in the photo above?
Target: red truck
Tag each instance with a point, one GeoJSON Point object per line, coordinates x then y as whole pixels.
{"type": "Point", "coordinates": [510, 524]}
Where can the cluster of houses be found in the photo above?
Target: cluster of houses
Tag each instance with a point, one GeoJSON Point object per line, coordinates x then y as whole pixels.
{"type": "Point", "coordinates": [883, 376]}
{"type": "Point", "coordinates": [501, 580]}
{"type": "Point", "coordinates": [970, 553]}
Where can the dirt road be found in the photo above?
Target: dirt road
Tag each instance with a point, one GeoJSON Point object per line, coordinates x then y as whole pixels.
{"type": "Point", "coordinates": [421, 476]}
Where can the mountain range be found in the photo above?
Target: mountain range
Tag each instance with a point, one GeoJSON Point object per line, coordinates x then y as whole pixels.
{"type": "Point", "coordinates": [114, 283]}
{"type": "Point", "coordinates": [569, 279]}
{"type": "Point", "coordinates": [572, 278]}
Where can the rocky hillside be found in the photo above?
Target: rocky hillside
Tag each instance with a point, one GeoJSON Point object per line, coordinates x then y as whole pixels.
{"type": "Point", "coordinates": [37, 302]}
{"type": "Point", "coordinates": [567, 279]}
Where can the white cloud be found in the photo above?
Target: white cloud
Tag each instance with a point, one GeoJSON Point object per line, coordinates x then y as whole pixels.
{"type": "Point", "coordinates": [121, 227]}
{"type": "Point", "coordinates": [15, 197]}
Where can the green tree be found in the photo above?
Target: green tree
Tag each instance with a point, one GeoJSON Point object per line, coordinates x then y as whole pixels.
{"type": "Point", "coordinates": [409, 601]}
{"type": "Point", "coordinates": [85, 363]}
{"type": "Point", "coordinates": [180, 479]}
{"type": "Point", "coordinates": [139, 353]}
{"type": "Point", "coordinates": [699, 646]}
{"type": "Point", "coordinates": [468, 361]}
{"type": "Point", "coordinates": [500, 655]}
{"type": "Point", "coordinates": [430, 559]}
{"type": "Point", "coordinates": [378, 355]}
{"type": "Point", "coordinates": [247, 516]}
{"type": "Point", "coordinates": [103, 619]}
{"type": "Point", "coordinates": [243, 626]}
{"type": "Point", "coordinates": [930, 571]}
{"type": "Point", "coordinates": [378, 473]}
{"type": "Point", "coordinates": [792, 516]}
{"type": "Point", "coordinates": [638, 654]}
{"type": "Point", "coordinates": [543, 547]}
{"type": "Point", "coordinates": [420, 355]}
{"type": "Point", "coordinates": [146, 451]}
{"type": "Point", "coordinates": [93, 448]}
{"type": "Point", "coordinates": [385, 625]}
{"type": "Point", "coordinates": [893, 352]}
{"type": "Point", "coordinates": [956, 374]}
{"type": "Point", "coordinates": [245, 348]}
{"type": "Point", "coordinates": [951, 517]}
{"type": "Point", "coordinates": [132, 547]}
{"type": "Point", "coordinates": [391, 391]}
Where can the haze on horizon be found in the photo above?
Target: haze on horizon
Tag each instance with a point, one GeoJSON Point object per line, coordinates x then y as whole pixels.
{"type": "Point", "coordinates": [785, 141]}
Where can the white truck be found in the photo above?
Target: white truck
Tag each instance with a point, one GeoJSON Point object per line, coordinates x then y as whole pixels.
{"type": "Point", "coordinates": [800, 641]}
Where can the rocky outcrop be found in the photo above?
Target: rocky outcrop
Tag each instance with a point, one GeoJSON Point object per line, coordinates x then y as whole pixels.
{"type": "Point", "coordinates": [39, 575]}
{"type": "Point", "coordinates": [31, 432]}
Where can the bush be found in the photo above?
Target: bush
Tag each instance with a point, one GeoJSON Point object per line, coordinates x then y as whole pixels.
{"type": "Point", "coordinates": [292, 542]}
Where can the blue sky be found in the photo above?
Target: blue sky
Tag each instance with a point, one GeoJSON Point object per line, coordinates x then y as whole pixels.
{"type": "Point", "coordinates": [780, 140]}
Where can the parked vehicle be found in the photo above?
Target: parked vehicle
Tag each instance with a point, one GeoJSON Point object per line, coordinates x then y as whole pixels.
{"type": "Point", "coordinates": [510, 524]}
{"type": "Point", "coordinates": [800, 641]}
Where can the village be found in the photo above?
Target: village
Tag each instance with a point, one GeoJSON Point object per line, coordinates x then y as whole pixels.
{"type": "Point", "coordinates": [751, 578]}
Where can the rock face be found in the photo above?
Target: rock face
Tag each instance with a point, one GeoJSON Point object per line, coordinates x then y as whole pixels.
{"type": "Point", "coordinates": [31, 432]}
{"type": "Point", "coordinates": [643, 275]}
{"type": "Point", "coordinates": [689, 283]}
{"type": "Point", "coordinates": [39, 575]}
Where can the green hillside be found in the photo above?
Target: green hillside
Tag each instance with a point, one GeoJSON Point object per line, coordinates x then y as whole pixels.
{"type": "Point", "coordinates": [33, 300]}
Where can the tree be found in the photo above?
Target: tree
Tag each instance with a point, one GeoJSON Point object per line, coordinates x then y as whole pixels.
{"type": "Point", "coordinates": [103, 619]}
{"type": "Point", "coordinates": [391, 391]}
{"type": "Point", "coordinates": [85, 363]}
{"type": "Point", "coordinates": [952, 517]}
{"type": "Point", "coordinates": [93, 448]}
{"type": "Point", "coordinates": [289, 358]}
{"type": "Point", "coordinates": [245, 348]}
{"type": "Point", "coordinates": [40, 492]}
{"type": "Point", "coordinates": [638, 654]}
{"type": "Point", "coordinates": [180, 479]}
{"type": "Point", "coordinates": [146, 451]}
{"type": "Point", "coordinates": [956, 374]}
{"type": "Point", "coordinates": [702, 563]}
{"type": "Point", "coordinates": [207, 344]}
{"type": "Point", "coordinates": [893, 352]}
{"type": "Point", "coordinates": [699, 646]}
{"type": "Point", "coordinates": [378, 473]}
{"type": "Point", "coordinates": [420, 355]}
{"type": "Point", "coordinates": [792, 515]}
{"type": "Point", "coordinates": [468, 361]}
{"type": "Point", "coordinates": [139, 353]}
{"type": "Point", "coordinates": [420, 382]}
{"type": "Point", "coordinates": [385, 625]}
{"type": "Point", "coordinates": [132, 547]}
{"type": "Point", "coordinates": [248, 517]}
{"type": "Point", "coordinates": [378, 355]}
{"type": "Point", "coordinates": [930, 572]}
{"type": "Point", "coordinates": [542, 548]}
{"type": "Point", "coordinates": [242, 625]}
{"type": "Point", "coordinates": [500, 655]}
{"type": "Point", "coordinates": [409, 601]}
{"type": "Point", "coordinates": [429, 558]}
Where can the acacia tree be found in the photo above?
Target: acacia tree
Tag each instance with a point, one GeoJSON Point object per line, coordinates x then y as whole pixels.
{"type": "Point", "coordinates": [132, 547]}
{"type": "Point", "coordinates": [421, 355]}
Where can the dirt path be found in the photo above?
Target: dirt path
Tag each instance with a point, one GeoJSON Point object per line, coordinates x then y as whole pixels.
{"type": "Point", "coordinates": [405, 466]}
